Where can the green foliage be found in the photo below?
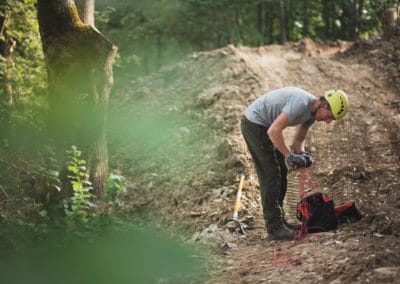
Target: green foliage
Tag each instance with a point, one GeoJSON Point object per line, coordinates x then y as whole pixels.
{"type": "Point", "coordinates": [114, 185]}
{"type": "Point", "coordinates": [153, 33]}
{"type": "Point", "coordinates": [77, 208]}
{"type": "Point", "coordinates": [122, 255]}
{"type": "Point", "coordinates": [145, 33]}
{"type": "Point", "coordinates": [27, 74]}
{"type": "Point", "coordinates": [50, 173]}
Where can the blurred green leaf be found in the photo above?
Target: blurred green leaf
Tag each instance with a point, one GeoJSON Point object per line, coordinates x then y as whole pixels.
{"type": "Point", "coordinates": [134, 256]}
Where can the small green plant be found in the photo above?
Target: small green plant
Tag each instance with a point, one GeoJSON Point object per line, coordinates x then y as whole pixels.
{"type": "Point", "coordinates": [115, 184]}
{"type": "Point", "coordinates": [77, 207]}
{"type": "Point", "coordinates": [51, 173]}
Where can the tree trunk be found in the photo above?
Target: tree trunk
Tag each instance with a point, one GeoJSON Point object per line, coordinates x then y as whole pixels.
{"type": "Point", "coordinates": [86, 11]}
{"type": "Point", "coordinates": [7, 44]}
{"type": "Point", "coordinates": [359, 16]}
{"type": "Point", "coordinates": [159, 36]}
{"type": "Point", "coordinates": [260, 24]}
{"type": "Point", "coordinates": [282, 22]}
{"type": "Point", "coordinates": [347, 19]}
{"type": "Point", "coordinates": [326, 16]}
{"type": "Point", "coordinates": [238, 39]}
{"type": "Point", "coordinates": [269, 21]}
{"type": "Point", "coordinates": [306, 17]}
{"type": "Point", "coordinates": [214, 28]}
{"type": "Point", "coordinates": [79, 66]}
{"type": "Point", "coordinates": [389, 19]}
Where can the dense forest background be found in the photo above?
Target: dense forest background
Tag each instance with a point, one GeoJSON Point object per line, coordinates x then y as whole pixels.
{"type": "Point", "coordinates": [153, 33]}
{"type": "Point", "coordinates": [149, 35]}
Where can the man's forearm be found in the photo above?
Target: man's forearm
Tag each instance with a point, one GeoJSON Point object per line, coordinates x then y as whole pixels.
{"type": "Point", "coordinates": [298, 146]}
{"type": "Point", "coordinates": [276, 137]}
{"type": "Point", "coordinates": [299, 139]}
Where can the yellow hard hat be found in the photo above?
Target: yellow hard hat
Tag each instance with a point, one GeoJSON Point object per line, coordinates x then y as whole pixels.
{"type": "Point", "coordinates": [338, 102]}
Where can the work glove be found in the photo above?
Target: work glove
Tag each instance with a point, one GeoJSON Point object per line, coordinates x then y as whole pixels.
{"type": "Point", "coordinates": [302, 160]}
{"type": "Point", "coordinates": [297, 160]}
{"type": "Point", "coordinates": [309, 159]}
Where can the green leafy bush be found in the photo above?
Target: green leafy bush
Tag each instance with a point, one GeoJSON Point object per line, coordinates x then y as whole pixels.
{"type": "Point", "coordinates": [77, 207]}
{"type": "Point", "coordinates": [114, 185]}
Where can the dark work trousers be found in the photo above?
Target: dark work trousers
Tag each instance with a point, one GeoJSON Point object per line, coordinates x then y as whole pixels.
{"type": "Point", "coordinates": [271, 170]}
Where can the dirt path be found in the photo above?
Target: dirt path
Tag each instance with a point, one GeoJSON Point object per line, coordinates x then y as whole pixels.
{"type": "Point", "coordinates": [355, 159]}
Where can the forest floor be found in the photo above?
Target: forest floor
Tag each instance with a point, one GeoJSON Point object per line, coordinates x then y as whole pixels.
{"type": "Point", "coordinates": [188, 154]}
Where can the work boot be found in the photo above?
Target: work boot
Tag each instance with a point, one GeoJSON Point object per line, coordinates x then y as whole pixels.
{"type": "Point", "coordinates": [282, 233]}
{"type": "Point", "coordinates": [291, 226]}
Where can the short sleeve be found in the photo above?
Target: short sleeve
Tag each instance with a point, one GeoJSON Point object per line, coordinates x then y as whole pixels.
{"type": "Point", "coordinates": [294, 109]}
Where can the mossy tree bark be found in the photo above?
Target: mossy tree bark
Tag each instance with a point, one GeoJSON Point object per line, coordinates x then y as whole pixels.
{"type": "Point", "coordinates": [86, 11]}
{"type": "Point", "coordinates": [79, 65]}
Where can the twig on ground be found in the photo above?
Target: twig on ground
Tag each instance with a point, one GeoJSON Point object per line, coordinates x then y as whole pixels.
{"type": "Point", "coordinates": [5, 193]}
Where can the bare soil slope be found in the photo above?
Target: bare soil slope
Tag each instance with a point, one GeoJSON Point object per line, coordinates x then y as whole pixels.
{"type": "Point", "coordinates": [189, 176]}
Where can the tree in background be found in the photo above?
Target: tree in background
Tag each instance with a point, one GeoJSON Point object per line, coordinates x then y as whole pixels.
{"type": "Point", "coordinates": [389, 18]}
{"type": "Point", "coordinates": [7, 45]}
{"type": "Point", "coordinates": [79, 65]}
{"type": "Point", "coordinates": [282, 22]}
{"type": "Point", "coordinates": [153, 33]}
{"type": "Point", "coordinates": [22, 74]}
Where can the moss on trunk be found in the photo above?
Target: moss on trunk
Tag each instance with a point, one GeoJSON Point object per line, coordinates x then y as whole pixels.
{"type": "Point", "coordinates": [79, 64]}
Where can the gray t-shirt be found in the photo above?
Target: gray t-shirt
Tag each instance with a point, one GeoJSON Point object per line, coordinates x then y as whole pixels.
{"type": "Point", "coordinates": [294, 102]}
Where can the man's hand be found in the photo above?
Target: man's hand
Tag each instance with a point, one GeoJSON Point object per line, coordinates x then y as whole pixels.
{"type": "Point", "coordinates": [302, 160]}
{"type": "Point", "coordinates": [309, 159]}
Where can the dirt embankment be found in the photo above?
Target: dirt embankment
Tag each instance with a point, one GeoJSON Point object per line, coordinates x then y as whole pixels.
{"type": "Point", "coordinates": [188, 173]}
